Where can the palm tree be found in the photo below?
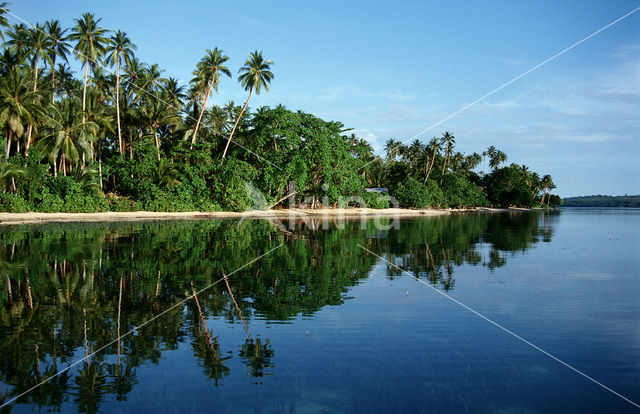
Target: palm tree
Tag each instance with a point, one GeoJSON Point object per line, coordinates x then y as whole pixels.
{"type": "Point", "coordinates": [58, 47]}
{"type": "Point", "coordinates": [37, 47]}
{"type": "Point", "coordinates": [547, 184]}
{"type": "Point", "coordinates": [175, 93]}
{"type": "Point", "coordinates": [255, 74]}
{"type": "Point", "coordinates": [17, 40]}
{"type": "Point", "coordinates": [19, 105]}
{"type": "Point", "coordinates": [71, 134]}
{"type": "Point", "coordinates": [156, 114]}
{"type": "Point", "coordinates": [448, 142]}
{"type": "Point", "coordinates": [208, 76]}
{"type": "Point", "coordinates": [436, 147]}
{"type": "Point", "coordinates": [90, 40]}
{"type": "Point", "coordinates": [496, 158]}
{"type": "Point", "coordinates": [392, 148]}
{"type": "Point", "coordinates": [119, 45]}
{"type": "Point", "coordinates": [3, 19]}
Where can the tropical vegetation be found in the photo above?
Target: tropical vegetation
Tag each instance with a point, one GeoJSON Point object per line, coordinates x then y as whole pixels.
{"type": "Point", "coordinates": [122, 136]}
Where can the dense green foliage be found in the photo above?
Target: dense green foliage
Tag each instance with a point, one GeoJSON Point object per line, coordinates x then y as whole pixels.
{"type": "Point", "coordinates": [131, 139]}
{"type": "Point", "coordinates": [68, 289]}
{"type": "Point", "coordinates": [603, 201]}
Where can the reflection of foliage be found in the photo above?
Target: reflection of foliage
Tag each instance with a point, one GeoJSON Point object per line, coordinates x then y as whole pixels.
{"type": "Point", "coordinates": [90, 387]}
{"type": "Point", "coordinates": [50, 274]}
{"type": "Point", "coordinates": [256, 356]}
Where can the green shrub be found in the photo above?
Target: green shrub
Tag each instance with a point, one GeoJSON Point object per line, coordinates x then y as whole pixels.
{"type": "Point", "coordinates": [412, 193]}
{"type": "Point", "coordinates": [376, 200]}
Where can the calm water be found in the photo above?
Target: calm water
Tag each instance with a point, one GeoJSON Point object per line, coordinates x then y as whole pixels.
{"type": "Point", "coordinates": [319, 325]}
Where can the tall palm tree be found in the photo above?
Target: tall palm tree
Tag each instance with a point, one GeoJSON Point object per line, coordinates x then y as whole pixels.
{"type": "Point", "coordinates": [448, 141]}
{"type": "Point", "coordinates": [436, 146]}
{"type": "Point", "coordinates": [207, 75]}
{"type": "Point", "coordinates": [90, 45]}
{"type": "Point", "coordinates": [119, 45]}
{"type": "Point", "coordinates": [58, 47]}
{"type": "Point", "coordinates": [255, 74]}
{"type": "Point", "coordinates": [19, 105]}
{"type": "Point", "coordinates": [37, 48]}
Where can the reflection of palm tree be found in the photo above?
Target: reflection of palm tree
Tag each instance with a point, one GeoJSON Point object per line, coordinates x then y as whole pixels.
{"type": "Point", "coordinates": [256, 356]}
{"type": "Point", "coordinates": [90, 387]}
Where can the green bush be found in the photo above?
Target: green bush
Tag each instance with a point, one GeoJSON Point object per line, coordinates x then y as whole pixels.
{"type": "Point", "coordinates": [376, 200]}
{"type": "Point", "coordinates": [13, 203]}
{"type": "Point", "coordinates": [412, 193]}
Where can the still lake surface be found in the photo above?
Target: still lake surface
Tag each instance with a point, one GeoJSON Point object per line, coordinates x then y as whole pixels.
{"type": "Point", "coordinates": [319, 324]}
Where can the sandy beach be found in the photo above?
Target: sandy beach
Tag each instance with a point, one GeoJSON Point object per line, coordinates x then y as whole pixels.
{"type": "Point", "coordinates": [330, 213]}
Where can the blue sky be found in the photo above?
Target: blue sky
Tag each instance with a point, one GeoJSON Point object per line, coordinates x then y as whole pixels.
{"type": "Point", "coordinates": [391, 70]}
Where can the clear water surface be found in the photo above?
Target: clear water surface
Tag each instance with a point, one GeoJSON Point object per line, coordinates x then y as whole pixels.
{"type": "Point", "coordinates": [320, 325]}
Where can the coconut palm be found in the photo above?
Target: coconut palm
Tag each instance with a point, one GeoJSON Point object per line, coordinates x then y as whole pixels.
{"type": "Point", "coordinates": [58, 47]}
{"type": "Point", "coordinates": [436, 146]}
{"type": "Point", "coordinates": [207, 76]}
{"type": "Point", "coordinates": [119, 45]}
{"type": "Point", "coordinates": [175, 94]}
{"type": "Point", "coordinates": [448, 141]}
{"type": "Point", "coordinates": [19, 105]}
{"type": "Point", "coordinates": [37, 47]}
{"type": "Point", "coordinates": [255, 74]}
{"type": "Point", "coordinates": [547, 184]}
{"type": "Point", "coordinates": [496, 158]}
{"type": "Point", "coordinates": [17, 42]}
{"type": "Point", "coordinates": [157, 113]}
{"type": "Point", "coordinates": [3, 19]}
{"type": "Point", "coordinates": [70, 136]}
{"type": "Point", "coordinates": [392, 148]}
{"type": "Point", "coordinates": [90, 45]}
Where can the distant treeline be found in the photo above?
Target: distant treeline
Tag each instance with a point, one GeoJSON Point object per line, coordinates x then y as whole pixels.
{"type": "Point", "coordinates": [603, 201]}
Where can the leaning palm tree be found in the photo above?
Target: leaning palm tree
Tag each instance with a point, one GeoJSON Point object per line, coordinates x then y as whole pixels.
{"type": "Point", "coordinates": [255, 74]}
{"type": "Point", "coordinates": [547, 184]}
{"type": "Point", "coordinates": [58, 47]}
{"type": "Point", "coordinates": [19, 105]}
{"type": "Point", "coordinates": [90, 40]}
{"type": "Point", "coordinates": [435, 147]}
{"type": "Point", "coordinates": [208, 76]}
{"type": "Point", "coordinates": [119, 45]}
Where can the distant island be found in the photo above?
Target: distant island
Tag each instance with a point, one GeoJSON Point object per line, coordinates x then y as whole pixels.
{"type": "Point", "coordinates": [602, 201]}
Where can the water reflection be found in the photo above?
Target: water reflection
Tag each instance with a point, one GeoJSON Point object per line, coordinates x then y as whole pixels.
{"type": "Point", "coordinates": [71, 289]}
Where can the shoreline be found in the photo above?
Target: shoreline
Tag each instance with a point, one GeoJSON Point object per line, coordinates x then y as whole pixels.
{"type": "Point", "coordinates": [328, 213]}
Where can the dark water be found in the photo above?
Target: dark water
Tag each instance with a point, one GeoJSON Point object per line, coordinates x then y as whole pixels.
{"type": "Point", "coordinates": [320, 325]}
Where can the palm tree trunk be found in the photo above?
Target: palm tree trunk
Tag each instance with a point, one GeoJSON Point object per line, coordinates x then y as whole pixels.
{"type": "Point", "coordinates": [53, 79]}
{"type": "Point", "coordinates": [35, 88]}
{"type": "Point", "coordinates": [84, 88]}
{"type": "Point", "coordinates": [155, 136]}
{"type": "Point", "coordinates": [8, 146]}
{"type": "Point", "coordinates": [236, 124]}
{"type": "Point", "coordinates": [430, 166]}
{"type": "Point", "coordinates": [118, 103]}
{"type": "Point", "coordinates": [204, 106]}
{"type": "Point", "coordinates": [544, 193]}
